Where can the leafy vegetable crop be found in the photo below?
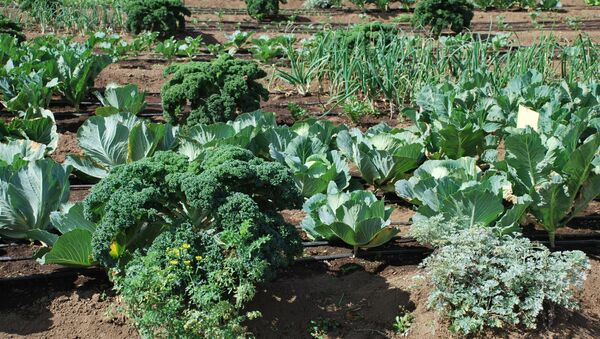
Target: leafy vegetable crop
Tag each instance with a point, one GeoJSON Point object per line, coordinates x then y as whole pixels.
{"type": "Point", "coordinates": [166, 17]}
{"type": "Point", "coordinates": [29, 192]}
{"type": "Point", "coordinates": [383, 154]}
{"type": "Point", "coordinates": [115, 140]}
{"type": "Point", "coordinates": [216, 91]}
{"type": "Point", "coordinates": [357, 218]}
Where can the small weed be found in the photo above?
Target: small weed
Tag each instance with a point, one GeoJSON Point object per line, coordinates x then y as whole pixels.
{"type": "Point", "coordinates": [402, 323]}
{"type": "Point", "coordinates": [354, 108]}
{"type": "Point", "coordinates": [319, 328]}
{"type": "Point", "coordinates": [574, 22]}
{"type": "Point", "coordinates": [297, 111]}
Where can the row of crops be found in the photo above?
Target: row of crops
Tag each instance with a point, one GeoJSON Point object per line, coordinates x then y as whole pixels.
{"type": "Point", "coordinates": [185, 214]}
{"type": "Point", "coordinates": [166, 16]}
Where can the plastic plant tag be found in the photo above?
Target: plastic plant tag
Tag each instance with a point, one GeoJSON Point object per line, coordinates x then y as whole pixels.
{"type": "Point", "coordinates": [527, 117]}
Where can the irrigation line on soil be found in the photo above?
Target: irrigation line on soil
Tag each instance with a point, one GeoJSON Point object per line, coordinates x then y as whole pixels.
{"type": "Point", "coordinates": [69, 273]}
{"type": "Point", "coordinates": [343, 11]}
{"type": "Point", "coordinates": [312, 27]}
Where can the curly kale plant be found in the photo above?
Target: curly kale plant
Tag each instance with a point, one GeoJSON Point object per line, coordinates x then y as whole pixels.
{"type": "Point", "coordinates": [188, 241]}
{"type": "Point", "coordinates": [219, 190]}
{"type": "Point", "coordinates": [441, 14]}
{"type": "Point", "coordinates": [484, 281]}
{"type": "Point", "coordinates": [262, 9]}
{"type": "Point", "coordinates": [166, 17]}
{"type": "Point", "coordinates": [216, 91]}
{"type": "Point", "coordinates": [10, 27]}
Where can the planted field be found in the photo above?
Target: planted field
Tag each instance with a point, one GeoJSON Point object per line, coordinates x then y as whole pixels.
{"type": "Point", "coordinates": [310, 169]}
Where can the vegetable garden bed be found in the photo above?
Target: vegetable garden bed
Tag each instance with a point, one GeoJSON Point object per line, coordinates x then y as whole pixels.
{"type": "Point", "coordinates": [399, 148]}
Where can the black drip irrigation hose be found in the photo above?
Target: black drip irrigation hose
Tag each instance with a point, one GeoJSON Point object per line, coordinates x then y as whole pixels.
{"type": "Point", "coordinates": [65, 273]}
{"type": "Point", "coordinates": [315, 27]}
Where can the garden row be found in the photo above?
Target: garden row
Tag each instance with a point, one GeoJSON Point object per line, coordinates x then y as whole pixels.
{"type": "Point", "coordinates": [185, 214]}
{"type": "Point", "coordinates": [168, 17]}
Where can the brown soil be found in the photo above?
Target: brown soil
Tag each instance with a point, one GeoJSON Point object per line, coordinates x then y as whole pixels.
{"type": "Point", "coordinates": [80, 308]}
{"type": "Point", "coordinates": [67, 144]}
{"type": "Point", "coordinates": [358, 298]}
{"type": "Point", "coordinates": [363, 298]}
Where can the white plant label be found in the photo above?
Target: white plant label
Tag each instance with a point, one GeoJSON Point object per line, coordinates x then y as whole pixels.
{"type": "Point", "coordinates": [527, 117]}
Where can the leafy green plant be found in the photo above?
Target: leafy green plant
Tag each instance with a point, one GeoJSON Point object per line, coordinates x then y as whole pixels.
{"type": "Point", "coordinates": [14, 151]}
{"type": "Point", "coordinates": [74, 246]}
{"type": "Point", "coordinates": [480, 280]}
{"type": "Point", "coordinates": [167, 17]}
{"type": "Point", "coordinates": [298, 112]}
{"type": "Point", "coordinates": [190, 46]}
{"type": "Point", "coordinates": [39, 129]}
{"type": "Point", "coordinates": [442, 14]}
{"type": "Point", "coordinates": [78, 67]}
{"type": "Point", "coordinates": [216, 91]}
{"type": "Point", "coordinates": [121, 99]}
{"type": "Point", "coordinates": [10, 27]}
{"type": "Point", "coordinates": [167, 48]}
{"type": "Point", "coordinates": [115, 140]}
{"type": "Point", "coordinates": [402, 323]}
{"type": "Point", "coordinates": [310, 161]}
{"type": "Point", "coordinates": [236, 41]}
{"type": "Point", "coordinates": [319, 328]}
{"type": "Point", "coordinates": [219, 190]}
{"type": "Point", "coordinates": [357, 218]}
{"type": "Point", "coordinates": [560, 170]}
{"type": "Point", "coordinates": [458, 189]}
{"type": "Point", "coordinates": [266, 48]}
{"type": "Point", "coordinates": [29, 192]}
{"type": "Point", "coordinates": [355, 108]}
{"type": "Point", "coordinates": [453, 119]}
{"type": "Point", "coordinates": [191, 283]}
{"type": "Point", "coordinates": [314, 4]}
{"type": "Point", "coordinates": [245, 131]}
{"type": "Point", "coordinates": [22, 91]}
{"type": "Point", "coordinates": [382, 154]}
{"type": "Point", "coordinates": [263, 9]}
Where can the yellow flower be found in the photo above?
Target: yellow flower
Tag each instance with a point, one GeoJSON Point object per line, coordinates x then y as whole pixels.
{"type": "Point", "coordinates": [115, 249]}
{"type": "Point", "coordinates": [187, 262]}
{"type": "Point", "coordinates": [186, 246]}
{"type": "Point", "coordinates": [198, 257]}
{"type": "Point", "coordinates": [176, 252]}
{"type": "Point", "coordinates": [174, 262]}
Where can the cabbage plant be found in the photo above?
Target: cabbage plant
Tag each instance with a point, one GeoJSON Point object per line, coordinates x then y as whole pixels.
{"type": "Point", "coordinates": [357, 218]}
{"type": "Point", "coordinates": [383, 155]}
{"type": "Point", "coordinates": [117, 139]}
{"type": "Point", "coordinates": [29, 192]}
{"type": "Point", "coordinates": [560, 170]}
{"type": "Point", "coordinates": [121, 99]}
{"type": "Point", "coordinates": [78, 67]}
{"type": "Point", "coordinates": [245, 131]}
{"type": "Point", "coordinates": [458, 189]}
{"type": "Point", "coordinates": [74, 246]}
{"type": "Point", "coordinates": [312, 164]}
